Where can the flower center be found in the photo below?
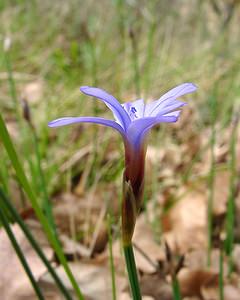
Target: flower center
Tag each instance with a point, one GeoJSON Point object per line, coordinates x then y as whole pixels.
{"type": "Point", "coordinates": [132, 113]}
{"type": "Point", "coordinates": [133, 109]}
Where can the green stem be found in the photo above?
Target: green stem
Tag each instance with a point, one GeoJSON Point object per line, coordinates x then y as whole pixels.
{"type": "Point", "coordinates": [7, 205]}
{"type": "Point", "coordinates": [221, 283]}
{"type": "Point", "coordinates": [47, 207]}
{"type": "Point", "coordinates": [135, 61]}
{"type": "Point", "coordinates": [21, 256]}
{"type": "Point", "coordinates": [176, 288]}
{"type": "Point", "coordinates": [109, 224]}
{"type": "Point", "coordinates": [132, 271]}
{"type": "Point", "coordinates": [11, 83]}
{"type": "Point", "coordinates": [211, 178]}
{"type": "Point", "coordinates": [230, 216]}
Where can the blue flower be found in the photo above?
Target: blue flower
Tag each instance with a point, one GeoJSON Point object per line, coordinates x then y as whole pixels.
{"type": "Point", "coordinates": [133, 120]}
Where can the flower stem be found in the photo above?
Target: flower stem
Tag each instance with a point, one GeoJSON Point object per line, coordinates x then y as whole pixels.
{"type": "Point", "coordinates": [132, 271]}
{"type": "Point", "coordinates": [109, 224]}
{"type": "Point", "coordinates": [176, 288]}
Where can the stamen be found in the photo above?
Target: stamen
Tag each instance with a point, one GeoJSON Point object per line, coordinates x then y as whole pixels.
{"type": "Point", "coordinates": [132, 113]}
{"type": "Point", "coordinates": [133, 110]}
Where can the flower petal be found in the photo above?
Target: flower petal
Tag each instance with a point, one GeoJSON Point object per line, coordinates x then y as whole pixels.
{"type": "Point", "coordinates": [96, 120]}
{"type": "Point", "coordinates": [138, 107]}
{"type": "Point", "coordinates": [153, 109]}
{"type": "Point", "coordinates": [174, 105]}
{"type": "Point", "coordinates": [118, 111]}
{"type": "Point", "coordinates": [140, 127]}
{"type": "Point", "coordinates": [175, 113]}
{"type": "Point", "coordinates": [135, 129]}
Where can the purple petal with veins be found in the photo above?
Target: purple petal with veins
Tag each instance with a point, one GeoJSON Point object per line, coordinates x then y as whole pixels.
{"type": "Point", "coordinates": [118, 111]}
{"type": "Point", "coordinates": [152, 109]}
{"type": "Point", "coordinates": [170, 108]}
{"type": "Point", "coordinates": [139, 128]}
{"type": "Point", "coordinates": [72, 120]}
{"type": "Point", "coordinates": [133, 122]}
{"type": "Point", "coordinates": [133, 119]}
{"type": "Point", "coordinates": [175, 113]}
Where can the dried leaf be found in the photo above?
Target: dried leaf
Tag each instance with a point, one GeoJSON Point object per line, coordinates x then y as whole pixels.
{"type": "Point", "coordinates": [14, 283]}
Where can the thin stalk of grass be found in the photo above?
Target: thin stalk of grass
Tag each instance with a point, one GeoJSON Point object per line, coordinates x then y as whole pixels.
{"type": "Point", "coordinates": [121, 22]}
{"type": "Point", "coordinates": [119, 68]}
{"type": "Point", "coordinates": [4, 210]}
{"type": "Point", "coordinates": [132, 271]}
{"type": "Point", "coordinates": [112, 267]}
{"type": "Point", "coordinates": [176, 288]}
{"type": "Point", "coordinates": [11, 81]}
{"type": "Point", "coordinates": [20, 256]}
{"type": "Point", "coordinates": [7, 206]}
{"type": "Point", "coordinates": [230, 217]}
{"type": "Point", "coordinates": [94, 74]}
{"type": "Point", "coordinates": [14, 97]}
{"type": "Point", "coordinates": [211, 178]}
{"type": "Point", "coordinates": [135, 61]}
{"type": "Point", "coordinates": [4, 175]}
{"type": "Point", "coordinates": [38, 172]}
{"type": "Point", "coordinates": [149, 57]}
{"type": "Point", "coordinates": [221, 275]}
{"type": "Point", "coordinates": [157, 208]}
{"type": "Point", "coordinates": [46, 205]}
{"type": "Point", "coordinates": [33, 199]}
{"type": "Point", "coordinates": [186, 175]}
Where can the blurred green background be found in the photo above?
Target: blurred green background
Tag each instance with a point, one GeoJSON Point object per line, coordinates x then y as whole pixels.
{"type": "Point", "coordinates": [129, 48]}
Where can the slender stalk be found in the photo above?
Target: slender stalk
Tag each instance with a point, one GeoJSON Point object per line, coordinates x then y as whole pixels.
{"type": "Point", "coordinates": [109, 224]}
{"type": "Point", "coordinates": [149, 56]}
{"type": "Point", "coordinates": [4, 175]}
{"type": "Point", "coordinates": [176, 288]}
{"type": "Point", "coordinates": [211, 178]}
{"type": "Point", "coordinates": [135, 60]}
{"type": "Point", "coordinates": [21, 256]}
{"type": "Point", "coordinates": [220, 280]}
{"type": "Point", "coordinates": [32, 197]}
{"type": "Point", "coordinates": [94, 74]}
{"type": "Point", "coordinates": [7, 205]}
{"type": "Point", "coordinates": [47, 207]}
{"type": "Point", "coordinates": [230, 217]}
{"type": "Point", "coordinates": [121, 22]}
{"type": "Point", "coordinates": [132, 271]}
{"type": "Point", "coordinates": [210, 209]}
{"type": "Point", "coordinates": [11, 83]}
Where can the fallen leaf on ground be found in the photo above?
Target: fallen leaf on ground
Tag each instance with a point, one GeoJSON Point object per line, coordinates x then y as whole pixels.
{"type": "Point", "coordinates": [14, 283]}
{"type": "Point", "coordinates": [186, 222]}
{"type": "Point", "coordinates": [93, 279]}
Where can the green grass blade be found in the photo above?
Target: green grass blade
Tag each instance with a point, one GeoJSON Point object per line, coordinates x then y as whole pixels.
{"type": "Point", "coordinates": [176, 288]}
{"type": "Point", "coordinates": [47, 207]}
{"type": "Point", "coordinates": [109, 224]}
{"type": "Point", "coordinates": [33, 199]}
{"type": "Point", "coordinates": [20, 255]}
{"type": "Point", "coordinates": [230, 216]}
{"type": "Point", "coordinates": [132, 272]}
{"type": "Point", "coordinates": [7, 206]}
{"type": "Point", "coordinates": [221, 276]}
{"type": "Point", "coordinates": [211, 178]}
